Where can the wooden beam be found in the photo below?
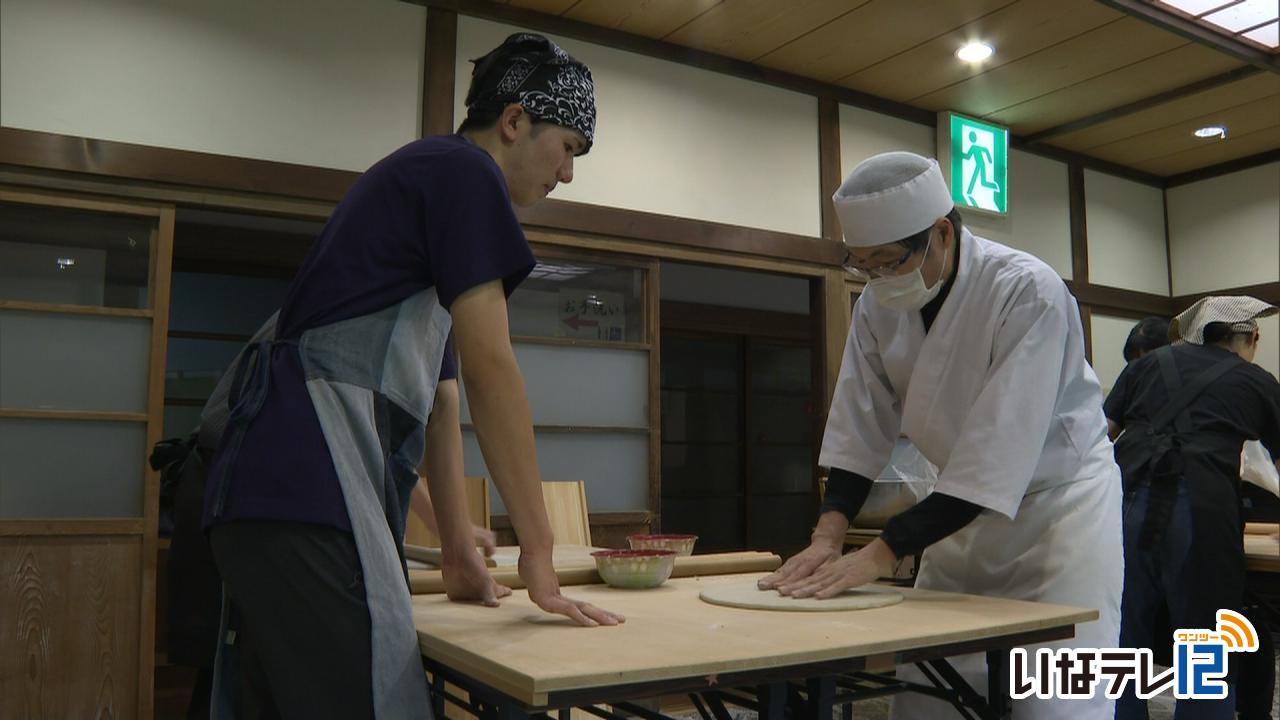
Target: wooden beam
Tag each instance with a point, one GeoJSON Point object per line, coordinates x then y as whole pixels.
{"type": "Point", "coordinates": [161, 277]}
{"type": "Point", "coordinates": [1079, 224]}
{"type": "Point", "coordinates": [1225, 168]}
{"type": "Point", "coordinates": [1108, 299]}
{"type": "Point", "coordinates": [653, 331]}
{"type": "Point", "coordinates": [695, 317]}
{"type": "Point", "coordinates": [1086, 322]}
{"type": "Point", "coordinates": [29, 148]}
{"type": "Point", "coordinates": [85, 526]}
{"type": "Point", "coordinates": [1195, 32]}
{"type": "Point", "coordinates": [600, 220]}
{"type": "Point", "coordinates": [1146, 103]}
{"type": "Point", "coordinates": [1267, 292]}
{"type": "Point", "coordinates": [438, 71]}
{"type": "Point", "coordinates": [829, 165]}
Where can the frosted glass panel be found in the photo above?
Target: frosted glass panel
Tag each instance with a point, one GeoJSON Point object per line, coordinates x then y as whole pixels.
{"type": "Point", "coordinates": [70, 362]}
{"type": "Point", "coordinates": [592, 387]}
{"type": "Point", "coordinates": [74, 257]}
{"type": "Point", "coordinates": [583, 301]}
{"type": "Point", "coordinates": [615, 467]}
{"type": "Point", "coordinates": [64, 468]}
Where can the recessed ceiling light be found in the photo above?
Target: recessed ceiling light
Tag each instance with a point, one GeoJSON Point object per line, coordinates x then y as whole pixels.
{"type": "Point", "coordinates": [1212, 131]}
{"type": "Point", "coordinates": [975, 52]}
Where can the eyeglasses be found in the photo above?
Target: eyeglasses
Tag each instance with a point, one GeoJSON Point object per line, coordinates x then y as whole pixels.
{"type": "Point", "coordinates": [885, 270]}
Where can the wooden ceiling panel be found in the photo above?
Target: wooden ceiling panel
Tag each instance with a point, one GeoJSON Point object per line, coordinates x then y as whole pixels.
{"type": "Point", "coordinates": [1166, 71]}
{"type": "Point", "coordinates": [747, 29]}
{"type": "Point", "coordinates": [1094, 53]}
{"type": "Point", "coordinates": [1057, 62]}
{"type": "Point", "coordinates": [548, 7]}
{"type": "Point", "coordinates": [1015, 31]}
{"type": "Point", "coordinates": [1222, 151]}
{"type": "Point", "coordinates": [860, 38]}
{"type": "Point", "coordinates": [650, 18]}
{"type": "Point", "coordinates": [1161, 116]}
{"type": "Point", "coordinates": [1180, 137]}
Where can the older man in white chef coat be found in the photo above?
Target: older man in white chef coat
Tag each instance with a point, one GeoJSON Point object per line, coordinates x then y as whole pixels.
{"type": "Point", "coordinates": [975, 352]}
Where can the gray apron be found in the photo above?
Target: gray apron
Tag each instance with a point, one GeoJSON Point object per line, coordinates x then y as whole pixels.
{"type": "Point", "coordinates": [352, 368]}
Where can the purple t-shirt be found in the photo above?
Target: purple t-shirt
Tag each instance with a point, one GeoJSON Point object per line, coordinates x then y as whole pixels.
{"type": "Point", "coordinates": [434, 214]}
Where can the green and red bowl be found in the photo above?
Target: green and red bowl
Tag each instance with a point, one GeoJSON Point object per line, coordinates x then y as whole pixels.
{"type": "Point", "coordinates": [634, 568]}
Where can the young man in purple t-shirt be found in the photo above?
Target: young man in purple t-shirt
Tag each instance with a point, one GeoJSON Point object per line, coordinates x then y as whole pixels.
{"type": "Point", "coordinates": [308, 490]}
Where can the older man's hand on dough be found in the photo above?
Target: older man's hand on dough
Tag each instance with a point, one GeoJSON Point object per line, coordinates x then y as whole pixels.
{"type": "Point", "coordinates": [850, 571]}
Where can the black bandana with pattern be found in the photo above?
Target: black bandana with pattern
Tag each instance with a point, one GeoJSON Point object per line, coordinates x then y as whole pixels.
{"type": "Point", "coordinates": [546, 81]}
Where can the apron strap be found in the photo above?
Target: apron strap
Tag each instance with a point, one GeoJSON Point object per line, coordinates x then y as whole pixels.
{"type": "Point", "coordinates": [1167, 470]}
{"type": "Point", "coordinates": [247, 396]}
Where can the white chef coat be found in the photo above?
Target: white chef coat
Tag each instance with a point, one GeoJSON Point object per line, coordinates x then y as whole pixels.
{"type": "Point", "coordinates": [999, 396]}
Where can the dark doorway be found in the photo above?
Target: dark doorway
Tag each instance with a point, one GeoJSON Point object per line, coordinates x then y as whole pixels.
{"type": "Point", "coordinates": [737, 427]}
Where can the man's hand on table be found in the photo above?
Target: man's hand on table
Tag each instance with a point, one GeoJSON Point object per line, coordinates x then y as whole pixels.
{"type": "Point", "coordinates": [466, 579]}
{"type": "Point", "coordinates": [544, 590]}
{"type": "Point", "coordinates": [858, 568]}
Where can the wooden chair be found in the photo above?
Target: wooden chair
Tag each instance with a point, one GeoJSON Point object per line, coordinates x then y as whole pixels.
{"type": "Point", "coordinates": [567, 510]}
{"type": "Point", "coordinates": [416, 532]}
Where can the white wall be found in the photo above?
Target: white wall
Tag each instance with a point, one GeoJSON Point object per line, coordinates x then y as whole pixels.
{"type": "Point", "coordinates": [1269, 345]}
{"type": "Point", "coordinates": [676, 140]}
{"type": "Point", "coordinates": [734, 288]}
{"type": "Point", "coordinates": [1225, 232]}
{"type": "Point", "coordinates": [330, 83]}
{"type": "Point", "coordinates": [864, 133]}
{"type": "Point", "coordinates": [1125, 224]}
{"type": "Point", "coordinates": [1109, 334]}
{"type": "Point", "coordinates": [1039, 219]}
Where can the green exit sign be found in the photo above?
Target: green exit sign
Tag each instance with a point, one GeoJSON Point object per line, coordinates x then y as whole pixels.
{"type": "Point", "coordinates": [974, 155]}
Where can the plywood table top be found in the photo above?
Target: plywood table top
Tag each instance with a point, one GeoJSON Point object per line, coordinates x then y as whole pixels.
{"type": "Point", "coordinates": [1262, 551]}
{"type": "Point", "coordinates": [670, 634]}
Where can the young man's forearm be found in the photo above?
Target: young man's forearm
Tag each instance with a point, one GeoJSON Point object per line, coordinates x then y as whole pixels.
{"type": "Point", "coordinates": [500, 412]}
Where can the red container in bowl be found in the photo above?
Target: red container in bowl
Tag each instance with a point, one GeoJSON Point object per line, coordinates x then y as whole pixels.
{"type": "Point", "coordinates": [681, 544]}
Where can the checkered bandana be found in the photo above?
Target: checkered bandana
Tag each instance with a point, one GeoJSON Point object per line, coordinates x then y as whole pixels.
{"type": "Point", "coordinates": [1240, 311]}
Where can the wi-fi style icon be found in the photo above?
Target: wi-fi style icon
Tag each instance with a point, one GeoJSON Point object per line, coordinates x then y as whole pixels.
{"type": "Point", "coordinates": [1236, 631]}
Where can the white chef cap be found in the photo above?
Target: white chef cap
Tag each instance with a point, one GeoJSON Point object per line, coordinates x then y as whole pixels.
{"type": "Point", "coordinates": [1239, 311]}
{"type": "Point", "coordinates": [890, 197]}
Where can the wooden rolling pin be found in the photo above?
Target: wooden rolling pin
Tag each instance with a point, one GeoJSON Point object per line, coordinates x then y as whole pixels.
{"type": "Point", "coordinates": [434, 555]}
{"type": "Point", "coordinates": [425, 582]}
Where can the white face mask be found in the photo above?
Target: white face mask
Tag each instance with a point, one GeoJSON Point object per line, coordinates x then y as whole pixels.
{"type": "Point", "coordinates": [907, 292]}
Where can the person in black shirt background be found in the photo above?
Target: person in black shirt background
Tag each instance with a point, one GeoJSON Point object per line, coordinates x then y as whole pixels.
{"type": "Point", "coordinates": [1182, 518]}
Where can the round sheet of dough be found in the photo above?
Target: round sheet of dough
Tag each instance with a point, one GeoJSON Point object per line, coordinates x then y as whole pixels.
{"type": "Point", "coordinates": [746, 595]}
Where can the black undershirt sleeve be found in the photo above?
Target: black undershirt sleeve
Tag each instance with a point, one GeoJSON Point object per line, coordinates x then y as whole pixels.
{"type": "Point", "coordinates": [937, 516]}
{"type": "Point", "coordinates": [846, 493]}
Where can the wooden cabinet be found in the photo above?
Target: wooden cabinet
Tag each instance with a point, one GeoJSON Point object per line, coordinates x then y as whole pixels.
{"type": "Point", "coordinates": [84, 294]}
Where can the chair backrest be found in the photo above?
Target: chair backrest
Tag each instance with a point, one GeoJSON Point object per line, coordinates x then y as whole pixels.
{"type": "Point", "coordinates": [416, 532]}
{"type": "Point", "coordinates": [567, 509]}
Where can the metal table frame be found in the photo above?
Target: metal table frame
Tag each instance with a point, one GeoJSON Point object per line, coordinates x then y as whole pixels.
{"type": "Point", "coordinates": [812, 690]}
